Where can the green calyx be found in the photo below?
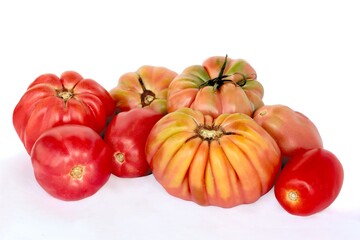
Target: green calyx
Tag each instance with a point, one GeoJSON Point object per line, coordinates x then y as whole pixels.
{"type": "Point", "coordinates": [222, 78]}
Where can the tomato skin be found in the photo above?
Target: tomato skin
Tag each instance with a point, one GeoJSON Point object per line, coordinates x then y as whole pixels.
{"type": "Point", "coordinates": [222, 162]}
{"type": "Point", "coordinates": [145, 88]}
{"type": "Point", "coordinates": [207, 89]}
{"type": "Point", "coordinates": [310, 182]}
{"type": "Point", "coordinates": [126, 135]}
{"type": "Point", "coordinates": [293, 131]}
{"type": "Point", "coordinates": [71, 162]}
{"type": "Point", "coordinates": [51, 101]}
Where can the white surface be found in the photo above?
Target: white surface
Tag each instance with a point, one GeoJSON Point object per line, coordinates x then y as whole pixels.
{"type": "Point", "coordinates": [306, 55]}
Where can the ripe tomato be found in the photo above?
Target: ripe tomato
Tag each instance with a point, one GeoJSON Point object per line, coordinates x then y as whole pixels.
{"type": "Point", "coordinates": [309, 182]}
{"type": "Point", "coordinates": [224, 162]}
{"type": "Point", "coordinates": [292, 130]}
{"type": "Point", "coordinates": [219, 85]}
{"type": "Point", "coordinates": [126, 135]}
{"type": "Point", "coordinates": [145, 88]}
{"type": "Point", "coordinates": [71, 162]}
{"type": "Point", "coordinates": [51, 101]}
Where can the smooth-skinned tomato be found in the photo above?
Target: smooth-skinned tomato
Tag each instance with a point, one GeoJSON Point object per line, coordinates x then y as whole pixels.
{"type": "Point", "coordinates": [223, 162]}
{"type": "Point", "coordinates": [126, 135]}
{"type": "Point", "coordinates": [71, 162]}
{"type": "Point", "coordinates": [52, 101]}
{"type": "Point", "coordinates": [145, 88]}
{"type": "Point", "coordinates": [309, 182]}
{"type": "Point", "coordinates": [293, 131]}
{"type": "Point", "coordinates": [219, 85]}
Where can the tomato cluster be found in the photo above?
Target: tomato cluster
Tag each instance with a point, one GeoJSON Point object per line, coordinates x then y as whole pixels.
{"type": "Point", "coordinates": [205, 134]}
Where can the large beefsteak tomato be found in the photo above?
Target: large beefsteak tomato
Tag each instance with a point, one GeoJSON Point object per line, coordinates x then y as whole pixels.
{"type": "Point", "coordinates": [145, 88]}
{"type": "Point", "coordinates": [51, 101]}
{"type": "Point", "coordinates": [224, 162]}
{"type": "Point", "coordinates": [219, 85]}
{"type": "Point", "coordinates": [71, 162]}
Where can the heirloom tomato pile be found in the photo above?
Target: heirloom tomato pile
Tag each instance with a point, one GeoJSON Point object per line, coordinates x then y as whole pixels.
{"type": "Point", "coordinates": [205, 134]}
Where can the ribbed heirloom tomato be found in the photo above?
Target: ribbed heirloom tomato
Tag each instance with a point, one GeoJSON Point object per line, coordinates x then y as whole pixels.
{"type": "Point", "coordinates": [224, 162]}
{"type": "Point", "coordinates": [219, 85]}
{"type": "Point", "coordinates": [51, 101]}
{"type": "Point", "coordinates": [145, 88]}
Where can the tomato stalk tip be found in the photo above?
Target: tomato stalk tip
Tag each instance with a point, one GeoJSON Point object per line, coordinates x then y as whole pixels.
{"type": "Point", "coordinates": [77, 172]}
{"type": "Point", "coordinates": [209, 133]}
{"type": "Point", "coordinates": [119, 157]}
{"type": "Point", "coordinates": [65, 94]}
{"type": "Point", "coordinates": [293, 196]}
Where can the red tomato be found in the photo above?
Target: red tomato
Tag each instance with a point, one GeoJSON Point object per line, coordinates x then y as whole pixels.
{"type": "Point", "coordinates": [127, 134]}
{"type": "Point", "coordinates": [51, 101]}
{"type": "Point", "coordinates": [223, 162]}
{"type": "Point", "coordinates": [309, 182]}
{"type": "Point", "coordinates": [145, 88]}
{"type": "Point", "coordinates": [219, 85]}
{"type": "Point", "coordinates": [293, 131]}
{"type": "Point", "coordinates": [71, 162]}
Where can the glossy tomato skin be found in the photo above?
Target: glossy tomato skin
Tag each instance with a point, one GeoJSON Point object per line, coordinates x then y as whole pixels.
{"type": "Point", "coordinates": [293, 131]}
{"type": "Point", "coordinates": [145, 88]}
{"type": "Point", "coordinates": [310, 182]}
{"type": "Point", "coordinates": [222, 162]}
{"type": "Point", "coordinates": [71, 162]}
{"type": "Point", "coordinates": [126, 135]}
{"type": "Point", "coordinates": [52, 101]}
{"type": "Point", "coordinates": [208, 89]}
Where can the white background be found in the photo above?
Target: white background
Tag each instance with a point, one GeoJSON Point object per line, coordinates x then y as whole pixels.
{"type": "Point", "coordinates": [306, 54]}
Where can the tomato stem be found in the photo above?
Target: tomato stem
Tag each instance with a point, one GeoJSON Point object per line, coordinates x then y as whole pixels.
{"type": "Point", "coordinates": [119, 157]}
{"type": "Point", "coordinates": [65, 94]}
{"type": "Point", "coordinates": [77, 172]}
{"type": "Point", "coordinates": [209, 133]}
{"type": "Point", "coordinates": [293, 196]}
{"type": "Point", "coordinates": [238, 79]}
{"type": "Point", "coordinates": [147, 96]}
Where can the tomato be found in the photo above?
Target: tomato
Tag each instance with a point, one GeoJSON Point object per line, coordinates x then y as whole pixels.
{"type": "Point", "coordinates": [145, 88]}
{"type": "Point", "coordinates": [71, 162]}
{"type": "Point", "coordinates": [51, 101]}
{"type": "Point", "coordinates": [223, 162]}
{"type": "Point", "coordinates": [126, 135]}
{"type": "Point", "coordinates": [219, 85]}
{"type": "Point", "coordinates": [293, 131]}
{"type": "Point", "coordinates": [309, 182]}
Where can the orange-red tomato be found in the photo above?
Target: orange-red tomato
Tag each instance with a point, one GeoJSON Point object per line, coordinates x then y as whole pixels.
{"type": "Point", "coordinates": [219, 85]}
{"type": "Point", "coordinates": [223, 162]}
{"type": "Point", "coordinates": [145, 88]}
{"type": "Point", "coordinates": [309, 182]}
{"type": "Point", "coordinates": [293, 131]}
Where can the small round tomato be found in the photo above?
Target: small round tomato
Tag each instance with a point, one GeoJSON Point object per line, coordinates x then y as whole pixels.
{"type": "Point", "coordinates": [309, 182]}
{"type": "Point", "coordinates": [51, 101]}
{"type": "Point", "coordinates": [126, 135]}
{"type": "Point", "coordinates": [71, 162]}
